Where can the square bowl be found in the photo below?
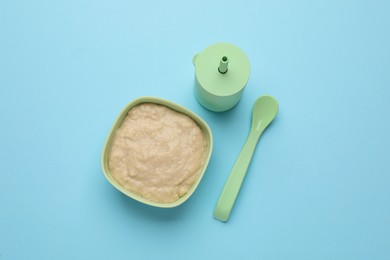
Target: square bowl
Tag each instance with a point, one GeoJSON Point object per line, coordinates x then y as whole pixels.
{"type": "Point", "coordinates": [118, 122]}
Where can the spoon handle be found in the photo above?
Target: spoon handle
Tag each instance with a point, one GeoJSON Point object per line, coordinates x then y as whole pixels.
{"type": "Point", "coordinates": [236, 177]}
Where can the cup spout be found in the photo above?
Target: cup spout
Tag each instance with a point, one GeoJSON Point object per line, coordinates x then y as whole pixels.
{"type": "Point", "coordinates": [223, 65]}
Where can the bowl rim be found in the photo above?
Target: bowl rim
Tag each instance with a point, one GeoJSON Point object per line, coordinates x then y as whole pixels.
{"type": "Point", "coordinates": [118, 122]}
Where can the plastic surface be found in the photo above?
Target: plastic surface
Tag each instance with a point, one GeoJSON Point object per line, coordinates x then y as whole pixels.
{"type": "Point", "coordinates": [221, 74]}
{"type": "Point", "coordinates": [104, 160]}
{"type": "Point", "coordinates": [264, 111]}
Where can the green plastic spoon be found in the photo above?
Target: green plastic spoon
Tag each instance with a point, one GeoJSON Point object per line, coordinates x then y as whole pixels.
{"type": "Point", "coordinates": [264, 111]}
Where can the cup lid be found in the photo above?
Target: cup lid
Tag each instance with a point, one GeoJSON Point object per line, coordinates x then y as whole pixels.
{"type": "Point", "coordinates": [222, 69]}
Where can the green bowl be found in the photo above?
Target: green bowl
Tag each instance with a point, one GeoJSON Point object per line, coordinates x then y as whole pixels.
{"type": "Point", "coordinates": [104, 159]}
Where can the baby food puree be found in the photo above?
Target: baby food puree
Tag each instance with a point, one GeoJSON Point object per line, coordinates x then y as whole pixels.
{"type": "Point", "coordinates": [157, 153]}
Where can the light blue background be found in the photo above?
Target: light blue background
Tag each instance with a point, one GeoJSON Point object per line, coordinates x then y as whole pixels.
{"type": "Point", "coordinates": [319, 183]}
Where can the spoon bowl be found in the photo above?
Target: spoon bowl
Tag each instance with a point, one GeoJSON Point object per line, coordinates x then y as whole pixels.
{"type": "Point", "coordinates": [264, 111]}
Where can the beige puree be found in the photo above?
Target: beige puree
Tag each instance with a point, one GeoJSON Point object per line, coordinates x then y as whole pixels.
{"type": "Point", "coordinates": [157, 153]}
